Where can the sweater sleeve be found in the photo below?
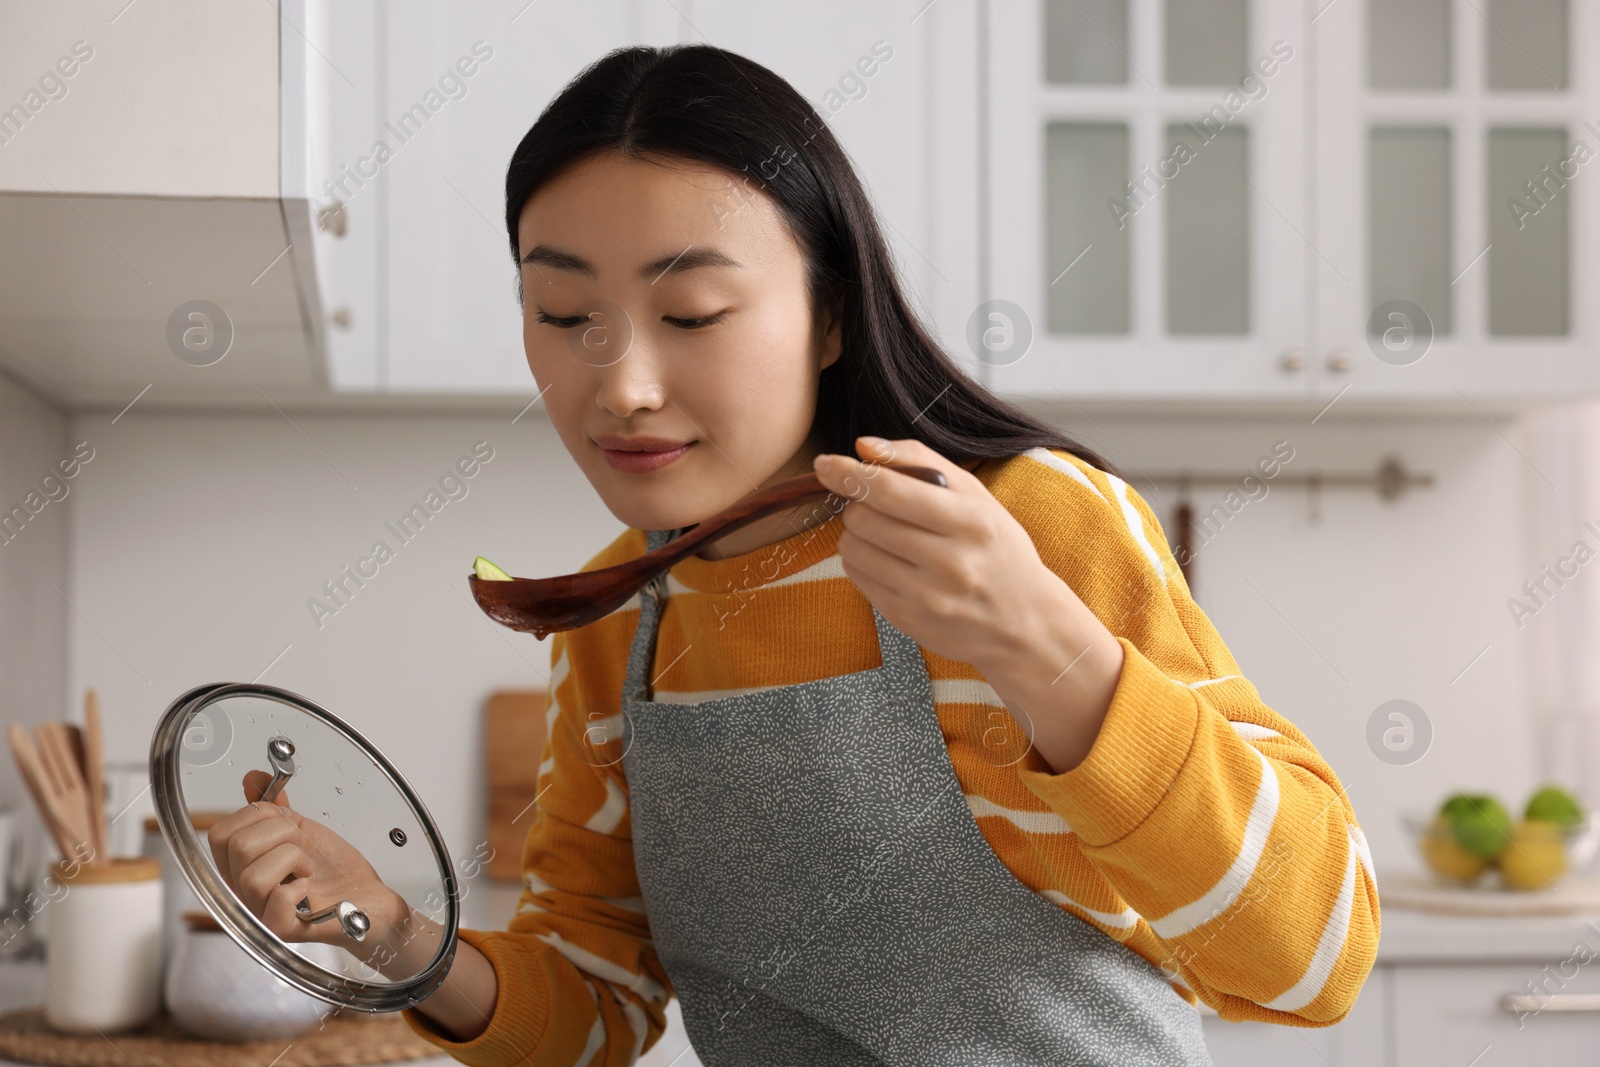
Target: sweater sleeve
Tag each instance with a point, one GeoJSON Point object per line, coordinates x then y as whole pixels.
{"type": "Point", "coordinates": [578, 980]}
{"type": "Point", "coordinates": [1211, 814]}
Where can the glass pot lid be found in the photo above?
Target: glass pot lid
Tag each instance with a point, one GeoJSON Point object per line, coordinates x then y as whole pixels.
{"type": "Point", "coordinates": [366, 914]}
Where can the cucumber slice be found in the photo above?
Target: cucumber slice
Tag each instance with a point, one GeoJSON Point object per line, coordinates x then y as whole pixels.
{"type": "Point", "coordinates": [488, 571]}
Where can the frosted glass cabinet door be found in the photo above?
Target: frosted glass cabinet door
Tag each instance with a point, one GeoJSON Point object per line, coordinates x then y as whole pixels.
{"type": "Point", "coordinates": [1456, 230]}
{"type": "Point", "coordinates": [1144, 198]}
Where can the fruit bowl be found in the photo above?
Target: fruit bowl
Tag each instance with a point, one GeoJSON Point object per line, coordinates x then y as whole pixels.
{"type": "Point", "coordinates": [1536, 854]}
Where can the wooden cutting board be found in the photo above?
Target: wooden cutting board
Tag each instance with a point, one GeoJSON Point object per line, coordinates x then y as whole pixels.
{"type": "Point", "coordinates": [514, 736]}
{"type": "Point", "coordinates": [1576, 894]}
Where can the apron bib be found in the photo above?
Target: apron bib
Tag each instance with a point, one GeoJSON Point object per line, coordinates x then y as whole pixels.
{"type": "Point", "coordinates": [819, 892]}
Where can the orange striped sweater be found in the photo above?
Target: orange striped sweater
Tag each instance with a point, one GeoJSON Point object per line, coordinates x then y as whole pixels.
{"type": "Point", "coordinates": [1203, 830]}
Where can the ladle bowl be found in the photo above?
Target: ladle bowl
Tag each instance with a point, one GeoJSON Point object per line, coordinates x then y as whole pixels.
{"type": "Point", "coordinates": [543, 606]}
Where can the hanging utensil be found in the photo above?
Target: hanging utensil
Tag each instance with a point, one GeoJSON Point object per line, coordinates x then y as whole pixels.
{"type": "Point", "coordinates": [542, 606]}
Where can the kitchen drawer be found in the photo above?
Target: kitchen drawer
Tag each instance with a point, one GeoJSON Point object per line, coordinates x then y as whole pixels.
{"type": "Point", "coordinates": [1448, 1015]}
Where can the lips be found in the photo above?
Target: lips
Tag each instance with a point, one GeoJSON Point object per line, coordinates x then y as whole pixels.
{"type": "Point", "coordinates": [637, 455]}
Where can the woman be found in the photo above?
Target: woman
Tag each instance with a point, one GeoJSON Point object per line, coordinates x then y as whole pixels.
{"type": "Point", "coordinates": [951, 774]}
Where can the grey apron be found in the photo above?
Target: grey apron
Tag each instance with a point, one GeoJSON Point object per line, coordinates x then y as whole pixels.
{"type": "Point", "coordinates": [819, 892]}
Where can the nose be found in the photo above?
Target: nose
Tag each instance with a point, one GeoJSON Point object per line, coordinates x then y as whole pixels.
{"type": "Point", "coordinates": [631, 383]}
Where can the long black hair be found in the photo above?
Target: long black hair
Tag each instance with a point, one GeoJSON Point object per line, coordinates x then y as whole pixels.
{"type": "Point", "coordinates": [703, 103]}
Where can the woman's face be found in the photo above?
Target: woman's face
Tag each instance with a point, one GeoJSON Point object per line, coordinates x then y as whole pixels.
{"type": "Point", "coordinates": [665, 307]}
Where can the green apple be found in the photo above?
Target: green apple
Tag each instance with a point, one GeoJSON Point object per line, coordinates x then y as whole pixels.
{"type": "Point", "coordinates": [1480, 823]}
{"type": "Point", "coordinates": [1554, 804]}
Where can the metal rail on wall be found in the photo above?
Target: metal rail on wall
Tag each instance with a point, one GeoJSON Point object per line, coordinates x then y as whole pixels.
{"type": "Point", "coordinates": [1391, 480]}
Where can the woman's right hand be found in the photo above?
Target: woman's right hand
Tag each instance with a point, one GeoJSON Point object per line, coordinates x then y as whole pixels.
{"type": "Point", "coordinates": [272, 857]}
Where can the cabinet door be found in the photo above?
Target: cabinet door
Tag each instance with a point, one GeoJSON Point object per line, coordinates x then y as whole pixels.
{"type": "Point", "coordinates": [340, 128]}
{"type": "Point", "coordinates": [1449, 1016]}
{"type": "Point", "coordinates": [894, 79]}
{"type": "Point", "coordinates": [1145, 197]}
{"type": "Point", "coordinates": [1454, 146]}
{"type": "Point", "coordinates": [896, 82]}
{"type": "Point", "coordinates": [446, 282]}
{"type": "Point", "coordinates": [1358, 1041]}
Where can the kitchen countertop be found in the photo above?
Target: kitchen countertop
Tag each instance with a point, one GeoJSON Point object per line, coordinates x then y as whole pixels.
{"type": "Point", "coordinates": [487, 906]}
{"type": "Point", "coordinates": [1409, 937]}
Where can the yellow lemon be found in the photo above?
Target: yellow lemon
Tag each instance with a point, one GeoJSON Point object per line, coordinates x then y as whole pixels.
{"type": "Point", "coordinates": [1536, 856]}
{"type": "Point", "coordinates": [1446, 857]}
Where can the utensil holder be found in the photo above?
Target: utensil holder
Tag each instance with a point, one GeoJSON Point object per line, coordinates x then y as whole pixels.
{"type": "Point", "coordinates": [103, 963]}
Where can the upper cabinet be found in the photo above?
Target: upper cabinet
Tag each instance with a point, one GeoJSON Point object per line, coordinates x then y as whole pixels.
{"type": "Point", "coordinates": [1455, 218]}
{"type": "Point", "coordinates": [896, 81]}
{"type": "Point", "coordinates": [1145, 198]}
{"type": "Point", "coordinates": [153, 199]}
{"type": "Point", "coordinates": [1191, 200]}
{"type": "Point", "coordinates": [1250, 199]}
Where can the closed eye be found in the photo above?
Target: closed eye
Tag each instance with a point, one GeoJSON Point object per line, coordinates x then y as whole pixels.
{"type": "Point", "coordinates": [696, 324]}
{"type": "Point", "coordinates": [565, 323]}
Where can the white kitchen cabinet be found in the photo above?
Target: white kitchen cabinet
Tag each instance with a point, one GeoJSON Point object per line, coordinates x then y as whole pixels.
{"type": "Point", "coordinates": [1438, 997]}
{"type": "Point", "coordinates": [344, 178]}
{"type": "Point", "coordinates": [446, 282]}
{"type": "Point", "coordinates": [895, 79]}
{"type": "Point", "coordinates": [1447, 1016]}
{"type": "Point", "coordinates": [897, 83]}
{"type": "Point", "coordinates": [1380, 163]}
{"type": "Point", "coordinates": [1445, 177]}
{"type": "Point", "coordinates": [1145, 203]}
{"type": "Point", "coordinates": [152, 155]}
{"type": "Point", "coordinates": [1358, 1041]}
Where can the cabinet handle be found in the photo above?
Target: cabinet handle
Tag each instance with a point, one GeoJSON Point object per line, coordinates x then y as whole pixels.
{"type": "Point", "coordinates": [333, 219]}
{"type": "Point", "coordinates": [1338, 361]}
{"type": "Point", "coordinates": [1522, 1003]}
{"type": "Point", "coordinates": [1291, 360]}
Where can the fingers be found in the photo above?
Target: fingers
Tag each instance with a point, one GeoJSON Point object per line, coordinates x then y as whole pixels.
{"type": "Point", "coordinates": [256, 782]}
{"type": "Point", "coordinates": [264, 877]}
{"type": "Point", "coordinates": [908, 499]}
{"type": "Point", "coordinates": [279, 914]}
{"type": "Point", "coordinates": [239, 838]}
{"type": "Point", "coordinates": [223, 829]}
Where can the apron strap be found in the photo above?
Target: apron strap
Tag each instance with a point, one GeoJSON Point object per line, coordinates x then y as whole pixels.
{"type": "Point", "coordinates": [894, 646]}
{"type": "Point", "coordinates": [643, 651]}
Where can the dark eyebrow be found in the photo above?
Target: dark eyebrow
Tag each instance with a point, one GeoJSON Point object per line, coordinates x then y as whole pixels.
{"type": "Point", "coordinates": [688, 259]}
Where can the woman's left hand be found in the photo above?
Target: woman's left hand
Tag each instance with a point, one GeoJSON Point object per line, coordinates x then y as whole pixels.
{"type": "Point", "coordinates": [955, 571]}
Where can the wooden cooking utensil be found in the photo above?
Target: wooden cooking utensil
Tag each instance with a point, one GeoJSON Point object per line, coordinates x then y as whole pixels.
{"type": "Point", "coordinates": [31, 766]}
{"type": "Point", "coordinates": [542, 606]}
{"type": "Point", "coordinates": [64, 779]}
{"type": "Point", "coordinates": [94, 773]}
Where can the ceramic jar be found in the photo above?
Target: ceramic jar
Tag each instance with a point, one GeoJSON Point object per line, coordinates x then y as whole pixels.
{"type": "Point", "coordinates": [103, 958]}
{"type": "Point", "coordinates": [217, 991]}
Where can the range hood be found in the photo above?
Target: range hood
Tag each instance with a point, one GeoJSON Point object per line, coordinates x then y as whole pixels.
{"type": "Point", "coordinates": [153, 161]}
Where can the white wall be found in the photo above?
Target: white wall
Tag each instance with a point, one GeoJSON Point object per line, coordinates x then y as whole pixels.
{"type": "Point", "coordinates": [1377, 601]}
{"type": "Point", "coordinates": [33, 633]}
{"type": "Point", "coordinates": [197, 540]}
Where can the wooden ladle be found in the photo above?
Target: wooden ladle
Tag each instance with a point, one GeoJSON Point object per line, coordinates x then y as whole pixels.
{"type": "Point", "coordinates": [542, 606]}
